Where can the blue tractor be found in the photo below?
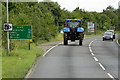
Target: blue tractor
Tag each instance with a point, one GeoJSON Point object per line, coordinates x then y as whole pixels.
{"type": "Point", "coordinates": [73, 31]}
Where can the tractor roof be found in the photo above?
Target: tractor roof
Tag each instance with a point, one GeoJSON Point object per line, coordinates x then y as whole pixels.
{"type": "Point", "coordinates": [73, 20]}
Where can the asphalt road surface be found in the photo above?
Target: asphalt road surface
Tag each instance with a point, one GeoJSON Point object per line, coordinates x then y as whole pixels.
{"type": "Point", "coordinates": [95, 59]}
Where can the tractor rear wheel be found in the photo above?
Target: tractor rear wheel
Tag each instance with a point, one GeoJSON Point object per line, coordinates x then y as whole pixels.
{"type": "Point", "coordinates": [65, 39]}
{"type": "Point", "coordinates": [80, 39]}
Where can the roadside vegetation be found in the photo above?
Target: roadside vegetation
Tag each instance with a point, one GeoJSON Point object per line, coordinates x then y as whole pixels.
{"type": "Point", "coordinates": [47, 19]}
{"type": "Point", "coordinates": [119, 41]}
{"type": "Point", "coordinates": [20, 60]}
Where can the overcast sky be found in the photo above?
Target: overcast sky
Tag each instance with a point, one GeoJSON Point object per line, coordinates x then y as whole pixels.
{"type": "Point", "coordinates": [88, 5]}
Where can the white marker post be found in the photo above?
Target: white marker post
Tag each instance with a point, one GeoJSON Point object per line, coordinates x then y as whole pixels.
{"type": "Point", "coordinates": [7, 31]}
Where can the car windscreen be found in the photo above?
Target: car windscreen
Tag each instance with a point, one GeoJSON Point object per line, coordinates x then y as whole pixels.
{"type": "Point", "coordinates": [73, 24]}
{"type": "Point", "coordinates": [111, 31]}
{"type": "Point", "coordinates": [108, 34]}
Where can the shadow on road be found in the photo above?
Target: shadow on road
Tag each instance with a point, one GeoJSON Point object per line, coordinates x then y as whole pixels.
{"type": "Point", "coordinates": [74, 45]}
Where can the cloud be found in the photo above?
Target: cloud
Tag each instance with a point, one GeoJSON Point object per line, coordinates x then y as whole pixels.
{"type": "Point", "coordinates": [89, 5]}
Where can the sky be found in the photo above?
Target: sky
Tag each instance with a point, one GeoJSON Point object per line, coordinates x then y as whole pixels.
{"type": "Point", "coordinates": [88, 5]}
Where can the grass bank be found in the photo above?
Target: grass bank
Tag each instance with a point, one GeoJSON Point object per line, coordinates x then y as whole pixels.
{"type": "Point", "coordinates": [20, 61]}
{"type": "Point", "coordinates": [98, 33]}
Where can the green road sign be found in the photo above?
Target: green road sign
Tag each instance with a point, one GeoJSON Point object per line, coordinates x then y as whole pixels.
{"type": "Point", "coordinates": [21, 32]}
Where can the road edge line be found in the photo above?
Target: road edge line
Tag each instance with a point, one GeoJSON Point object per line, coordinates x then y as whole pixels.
{"type": "Point", "coordinates": [51, 49]}
{"type": "Point", "coordinates": [34, 65]}
{"type": "Point", "coordinates": [31, 69]}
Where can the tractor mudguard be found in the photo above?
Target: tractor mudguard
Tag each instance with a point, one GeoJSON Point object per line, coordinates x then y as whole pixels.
{"type": "Point", "coordinates": [66, 29]}
{"type": "Point", "coordinates": [80, 29]}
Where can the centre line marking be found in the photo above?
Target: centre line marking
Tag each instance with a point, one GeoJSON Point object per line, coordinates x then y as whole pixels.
{"type": "Point", "coordinates": [102, 66]}
{"type": "Point", "coordinates": [110, 76]}
{"type": "Point", "coordinates": [95, 58]}
{"type": "Point", "coordinates": [92, 54]}
{"type": "Point", "coordinates": [91, 50]}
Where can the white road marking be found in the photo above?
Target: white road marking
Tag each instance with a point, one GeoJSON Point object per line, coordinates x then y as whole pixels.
{"type": "Point", "coordinates": [89, 45]}
{"type": "Point", "coordinates": [49, 50]}
{"type": "Point", "coordinates": [91, 50]}
{"type": "Point", "coordinates": [102, 66]}
{"type": "Point", "coordinates": [95, 58]}
{"type": "Point", "coordinates": [110, 76]}
{"type": "Point", "coordinates": [92, 54]}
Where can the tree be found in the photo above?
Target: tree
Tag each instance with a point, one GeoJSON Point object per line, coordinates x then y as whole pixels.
{"type": "Point", "coordinates": [110, 8]}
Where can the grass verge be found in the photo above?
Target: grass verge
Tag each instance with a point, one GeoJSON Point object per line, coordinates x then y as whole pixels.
{"type": "Point", "coordinates": [19, 62]}
{"type": "Point", "coordinates": [119, 41]}
{"type": "Point", "coordinates": [98, 33]}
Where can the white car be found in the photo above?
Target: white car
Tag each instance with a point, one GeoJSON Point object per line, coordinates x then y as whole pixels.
{"type": "Point", "coordinates": [108, 36]}
{"type": "Point", "coordinates": [112, 32]}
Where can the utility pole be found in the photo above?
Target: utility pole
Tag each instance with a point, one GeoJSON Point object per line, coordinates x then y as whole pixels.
{"type": "Point", "coordinates": [7, 31]}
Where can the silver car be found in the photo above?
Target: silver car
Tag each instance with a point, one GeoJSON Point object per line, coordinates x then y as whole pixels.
{"type": "Point", "coordinates": [112, 32]}
{"type": "Point", "coordinates": [108, 36]}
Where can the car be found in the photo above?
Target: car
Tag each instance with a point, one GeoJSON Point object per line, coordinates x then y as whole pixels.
{"type": "Point", "coordinates": [112, 32]}
{"type": "Point", "coordinates": [108, 36]}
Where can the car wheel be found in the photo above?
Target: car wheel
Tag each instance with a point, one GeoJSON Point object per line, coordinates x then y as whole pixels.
{"type": "Point", "coordinates": [112, 39]}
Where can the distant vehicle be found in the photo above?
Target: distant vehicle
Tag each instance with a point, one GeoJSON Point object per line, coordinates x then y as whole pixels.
{"type": "Point", "coordinates": [73, 31]}
{"type": "Point", "coordinates": [112, 28]}
{"type": "Point", "coordinates": [108, 36]}
{"type": "Point", "coordinates": [112, 32]}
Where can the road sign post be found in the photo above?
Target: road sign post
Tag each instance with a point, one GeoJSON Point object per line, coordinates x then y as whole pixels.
{"type": "Point", "coordinates": [29, 44]}
{"type": "Point", "coordinates": [7, 31]}
{"type": "Point", "coordinates": [95, 27]}
{"type": "Point", "coordinates": [90, 27]}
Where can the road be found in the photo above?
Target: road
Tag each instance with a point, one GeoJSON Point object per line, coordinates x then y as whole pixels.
{"type": "Point", "coordinates": [95, 59]}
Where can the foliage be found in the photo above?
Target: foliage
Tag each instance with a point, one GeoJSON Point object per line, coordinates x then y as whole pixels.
{"type": "Point", "coordinates": [47, 18]}
{"type": "Point", "coordinates": [119, 41]}
{"type": "Point", "coordinates": [17, 64]}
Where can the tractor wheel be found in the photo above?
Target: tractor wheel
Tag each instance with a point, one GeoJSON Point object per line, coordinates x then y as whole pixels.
{"type": "Point", "coordinates": [80, 39]}
{"type": "Point", "coordinates": [103, 39]}
{"type": "Point", "coordinates": [80, 42]}
{"type": "Point", "coordinates": [65, 39]}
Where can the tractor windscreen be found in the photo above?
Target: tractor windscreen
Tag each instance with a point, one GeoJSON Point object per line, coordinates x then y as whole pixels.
{"type": "Point", "coordinates": [73, 24]}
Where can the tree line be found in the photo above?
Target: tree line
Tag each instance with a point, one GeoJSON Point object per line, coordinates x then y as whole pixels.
{"type": "Point", "coordinates": [47, 18]}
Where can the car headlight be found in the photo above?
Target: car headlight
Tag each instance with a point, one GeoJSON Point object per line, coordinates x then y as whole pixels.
{"type": "Point", "coordinates": [103, 36]}
{"type": "Point", "coordinates": [111, 36]}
